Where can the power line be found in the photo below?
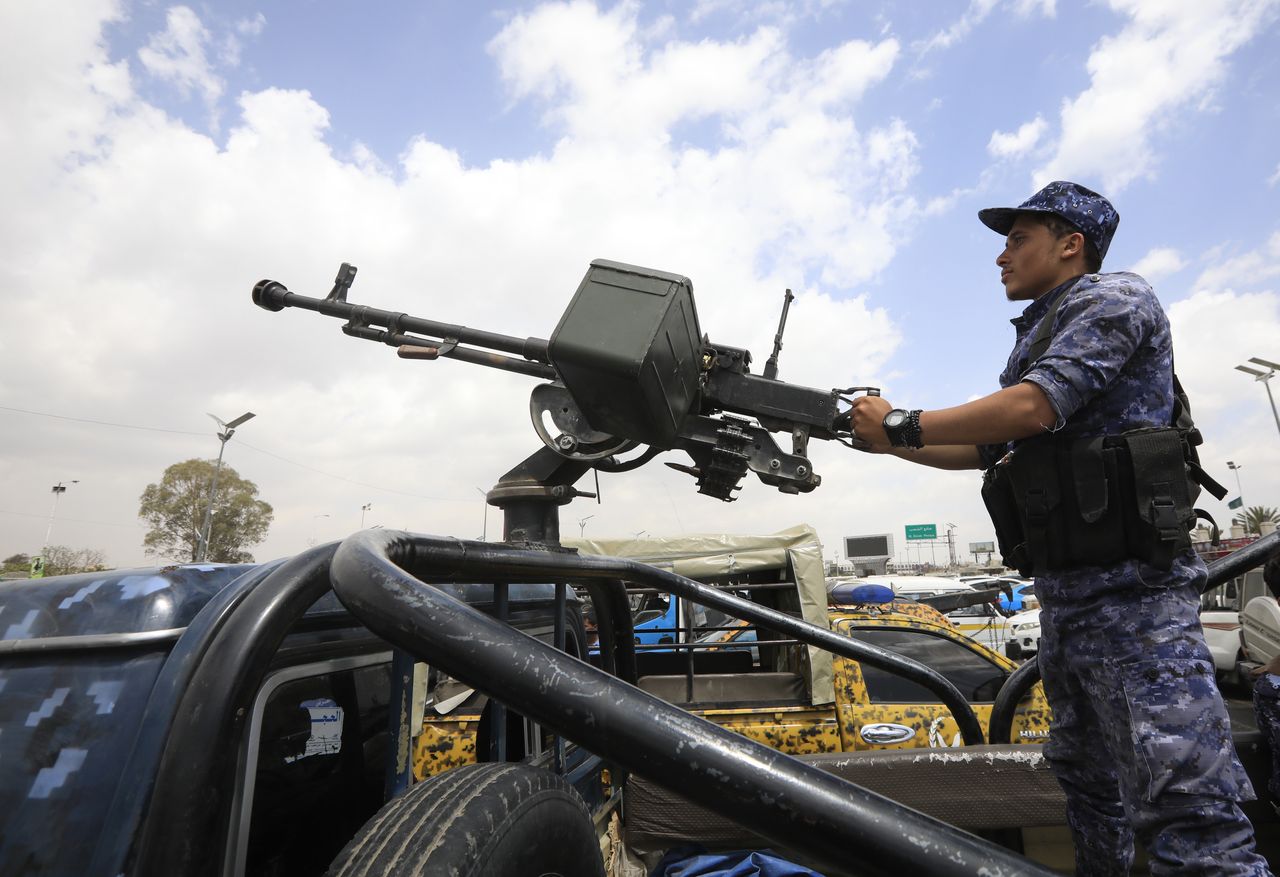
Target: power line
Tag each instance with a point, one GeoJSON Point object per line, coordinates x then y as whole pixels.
{"type": "Point", "coordinates": [241, 443]}
{"type": "Point", "coordinates": [70, 520]}
{"type": "Point", "coordinates": [98, 422]}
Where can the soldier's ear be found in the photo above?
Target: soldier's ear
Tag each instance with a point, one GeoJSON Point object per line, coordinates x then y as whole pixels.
{"type": "Point", "coordinates": [1072, 244]}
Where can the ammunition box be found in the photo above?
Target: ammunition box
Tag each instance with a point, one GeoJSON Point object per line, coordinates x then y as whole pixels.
{"type": "Point", "coordinates": [628, 349]}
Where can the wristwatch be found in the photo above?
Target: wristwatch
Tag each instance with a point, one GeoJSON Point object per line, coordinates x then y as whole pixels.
{"type": "Point", "coordinates": [903, 428]}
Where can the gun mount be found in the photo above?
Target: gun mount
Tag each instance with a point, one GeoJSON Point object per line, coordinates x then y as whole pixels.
{"type": "Point", "coordinates": [626, 366]}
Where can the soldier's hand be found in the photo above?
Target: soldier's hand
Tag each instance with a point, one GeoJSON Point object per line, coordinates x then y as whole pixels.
{"type": "Point", "coordinates": [867, 418]}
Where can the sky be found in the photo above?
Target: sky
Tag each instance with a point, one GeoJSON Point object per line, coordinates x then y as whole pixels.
{"type": "Point", "coordinates": [472, 159]}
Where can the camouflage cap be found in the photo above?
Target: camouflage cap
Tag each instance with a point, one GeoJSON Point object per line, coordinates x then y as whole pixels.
{"type": "Point", "coordinates": [1084, 208]}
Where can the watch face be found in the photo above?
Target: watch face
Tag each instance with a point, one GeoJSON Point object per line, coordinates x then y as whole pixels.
{"type": "Point", "coordinates": [895, 418]}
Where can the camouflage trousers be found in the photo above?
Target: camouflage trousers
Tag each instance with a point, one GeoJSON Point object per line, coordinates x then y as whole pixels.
{"type": "Point", "coordinates": [1266, 705]}
{"type": "Point", "coordinates": [1141, 740]}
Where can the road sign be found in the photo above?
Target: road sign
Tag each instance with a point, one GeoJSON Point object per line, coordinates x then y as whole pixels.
{"type": "Point", "coordinates": [922, 531]}
{"type": "Point", "coordinates": [1234, 504]}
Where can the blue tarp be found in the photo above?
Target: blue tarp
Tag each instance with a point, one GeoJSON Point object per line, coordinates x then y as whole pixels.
{"type": "Point", "coordinates": [695, 862]}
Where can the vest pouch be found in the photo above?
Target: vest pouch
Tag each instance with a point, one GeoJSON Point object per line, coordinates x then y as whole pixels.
{"type": "Point", "coordinates": [1159, 515]}
{"type": "Point", "coordinates": [997, 496]}
{"type": "Point", "coordinates": [1034, 484]}
{"type": "Point", "coordinates": [1092, 510]}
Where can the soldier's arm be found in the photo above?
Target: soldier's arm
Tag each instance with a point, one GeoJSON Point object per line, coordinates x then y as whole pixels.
{"type": "Point", "coordinates": [951, 435]}
{"type": "Point", "coordinates": [1016, 412]}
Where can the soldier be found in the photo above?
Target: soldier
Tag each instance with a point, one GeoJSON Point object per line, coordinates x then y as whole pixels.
{"type": "Point", "coordinates": [1266, 694]}
{"type": "Point", "coordinates": [1141, 739]}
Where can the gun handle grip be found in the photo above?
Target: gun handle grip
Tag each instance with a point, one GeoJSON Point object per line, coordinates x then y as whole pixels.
{"type": "Point", "coordinates": [413, 351]}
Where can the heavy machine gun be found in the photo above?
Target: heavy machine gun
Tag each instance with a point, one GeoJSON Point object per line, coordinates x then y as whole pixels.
{"type": "Point", "coordinates": [626, 366]}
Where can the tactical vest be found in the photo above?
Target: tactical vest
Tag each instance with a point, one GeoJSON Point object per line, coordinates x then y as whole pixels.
{"type": "Point", "coordinates": [1064, 503]}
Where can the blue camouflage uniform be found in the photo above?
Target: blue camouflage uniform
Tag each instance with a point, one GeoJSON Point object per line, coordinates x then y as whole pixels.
{"type": "Point", "coordinates": [1266, 706]}
{"type": "Point", "coordinates": [1141, 739]}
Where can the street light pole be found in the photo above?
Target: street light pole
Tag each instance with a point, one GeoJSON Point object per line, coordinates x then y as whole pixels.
{"type": "Point", "coordinates": [1265, 377]}
{"type": "Point", "coordinates": [364, 508]}
{"type": "Point", "coordinates": [314, 523]}
{"type": "Point", "coordinates": [484, 536]}
{"type": "Point", "coordinates": [229, 429]}
{"type": "Point", "coordinates": [1239, 490]}
{"type": "Point", "coordinates": [582, 526]}
{"type": "Point", "coordinates": [58, 490]}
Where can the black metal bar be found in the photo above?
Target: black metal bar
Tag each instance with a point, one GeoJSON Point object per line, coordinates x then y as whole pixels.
{"type": "Point", "coordinates": [1015, 688]}
{"type": "Point", "coordinates": [790, 803]}
{"type": "Point", "coordinates": [562, 595]}
{"type": "Point", "coordinates": [235, 649]}
{"type": "Point", "coordinates": [1240, 561]}
{"type": "Point", "coordinates": [128, 809]}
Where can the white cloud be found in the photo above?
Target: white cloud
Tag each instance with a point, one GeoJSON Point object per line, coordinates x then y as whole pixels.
{"type": "Point", "coordinates": [171, 228]}
{"type": "Point", "coordinates": [1168, 57]}
{"type": "Point", "coordinates": [177, 55]}
{"type": "Point", "coordinates": [1274, 178]}
{"type": "Point", "coordinates": [1028, 8]}
{"type": "Point", "coordinates": [973, 16]}
{"type": "Point", "coordinates": [1245, 271]}
{"type": "Point", "coordinates": [1010, 145]}
{"type": "Point", "coordinates": [1233, 314]}
{"type": "Point", "coordinates": [1160, 262]}
{"type": "Point", "coordinates": [252, 27]}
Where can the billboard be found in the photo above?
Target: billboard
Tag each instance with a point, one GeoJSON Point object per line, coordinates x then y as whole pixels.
{"type": "Point", "coordinates": [982, 548]}
{"type": "Point", "coordinates": [877, 545]}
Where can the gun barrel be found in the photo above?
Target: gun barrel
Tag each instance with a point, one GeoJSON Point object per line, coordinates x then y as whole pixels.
{"type": "Point", "coordinates": [274, 296]}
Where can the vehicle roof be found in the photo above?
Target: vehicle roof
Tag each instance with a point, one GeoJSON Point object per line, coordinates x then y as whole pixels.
{"type": "Point", "coordinates": [115, 601]}
{"type": "Point", "coordinates": [912, 584]}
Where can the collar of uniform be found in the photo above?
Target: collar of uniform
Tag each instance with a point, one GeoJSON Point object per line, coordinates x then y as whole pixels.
{"type": "Point", "coordinates": [1038, 308]}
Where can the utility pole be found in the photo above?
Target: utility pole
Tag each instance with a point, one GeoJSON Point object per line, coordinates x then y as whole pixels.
{"type": "Point", "coordinates": [364, 508]}
{"type": "Point", "coordinates": [202, 548]}
{"type": "Point", "coordinates": [58, 490]}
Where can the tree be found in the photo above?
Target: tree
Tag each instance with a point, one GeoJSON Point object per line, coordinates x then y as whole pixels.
{"type": "Point", "coordinates": [174, 510]}
{"type": "Point", "coordinates": [1253, 517]}
{"type": "Point", "coordinates": [16, 566]}
{"type": "Point", "coordinates": [59, 560]}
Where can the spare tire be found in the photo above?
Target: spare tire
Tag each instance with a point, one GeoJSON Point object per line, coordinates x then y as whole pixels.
{"type": "Point", "coordinates": [481, 820]}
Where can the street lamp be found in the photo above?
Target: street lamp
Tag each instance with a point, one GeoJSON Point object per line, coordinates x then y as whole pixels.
{"type": "Point", "coordinates": [1265, 377]}
{"type": "Point", "coordinates": [364, 508]}
{"type": "Point", "coordinates": [229, 429]}
{"type": "Point", "coordinates": [58, 490]}
{"type": "Point", "coordinates": [314, 523]}
{"type": "Point", "coordinates": [1239, 490]}
{"type": "Point", "coordinates": [582, 526]}
{"type": "Point", "coordinates": [484, 536]}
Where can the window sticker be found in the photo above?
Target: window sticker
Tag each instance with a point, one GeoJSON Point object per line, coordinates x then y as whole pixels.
{"type": "Point", "coordinates": [326, 729]}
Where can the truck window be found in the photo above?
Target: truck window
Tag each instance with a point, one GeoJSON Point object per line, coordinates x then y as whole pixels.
{"type": "Point", "coordinates": [315, 766]}
{"type": "Point", "coordinates": [977, 677]}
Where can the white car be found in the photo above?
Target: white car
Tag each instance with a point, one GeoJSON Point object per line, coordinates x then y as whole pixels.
{"type": "Point", "coordinates": [1024, 634]}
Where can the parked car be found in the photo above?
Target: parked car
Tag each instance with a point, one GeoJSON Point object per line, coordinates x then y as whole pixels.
{"type": "Point", "coordinates": [1220, 616]}
{"type": "Point", "coordinates": [982, 622]}
{"type": "Point", "coordinates": [1020, 592]}
{"type": "Point", "coordinates": [1024, 635]}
